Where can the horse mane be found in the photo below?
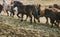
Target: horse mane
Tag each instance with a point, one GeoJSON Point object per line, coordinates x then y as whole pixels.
{"type": "Point", "coordinates": [20, 3]}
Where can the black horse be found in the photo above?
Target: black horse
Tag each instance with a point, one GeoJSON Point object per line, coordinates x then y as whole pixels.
{"type": "Point", "coordinates": [29, 10]}
{"type": "Point", "coordinates": [50, 7]}
{"type": "Point", "coordinates": [54, 17]}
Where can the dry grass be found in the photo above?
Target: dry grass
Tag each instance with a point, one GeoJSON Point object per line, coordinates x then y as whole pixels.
{"type": "Point", "coordinates": [11, 27]}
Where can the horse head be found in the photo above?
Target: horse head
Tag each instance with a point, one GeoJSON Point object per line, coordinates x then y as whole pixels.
{"type": "Point", "coordinates": [17, 3]}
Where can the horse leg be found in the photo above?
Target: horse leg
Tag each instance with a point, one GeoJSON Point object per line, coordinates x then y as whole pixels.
{"type": "Point", "coordinates": [52, 22]}
{"type": "Point", "coordinates": [57, 21]}
{"type": "Point", "coordinates": [38, 20]}
{"type": "Point", "coordinates": [13, 13]}
{"type": "Point", "coordinates": [7, 13]}
{"type": "Point", "coordinates": [22, 18]}
{"type": "Point", "coordinates": [26, 18]}
{"type": "Point", "coordinates": [46, 20]}
{"type": "Point", "coordinates": [18, 15]}
{"type": "Point", "coordinates": [10, 14]}
{"type": "Point", "coordinates": [58, 24]}
{"type": "Point", "coordinates": [34, 20]}
{"type": "Point", "coordinates": [30, 17]}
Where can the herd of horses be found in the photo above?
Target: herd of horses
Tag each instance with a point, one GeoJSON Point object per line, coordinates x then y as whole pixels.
{"type": "Point", "coordinates": [35, 10]}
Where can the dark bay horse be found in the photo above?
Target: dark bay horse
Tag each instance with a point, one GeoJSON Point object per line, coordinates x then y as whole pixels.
{"type": "Point", "coordinates": [29, 10]}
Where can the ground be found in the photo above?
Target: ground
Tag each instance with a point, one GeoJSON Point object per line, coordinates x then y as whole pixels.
{"type": "Point", "coordinates": [12, 27]}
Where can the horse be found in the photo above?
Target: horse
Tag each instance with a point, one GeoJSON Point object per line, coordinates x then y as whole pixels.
{"type": "Point", "coordinates": [29, 10]}
{"type": "Point", "coordinates": [42, 13]}
{"type": "Point", "coordinates": [7, 7]}
{"type": "Point", "coordinates": [54, 17]}
{"type": "Point", "coordinates": [50, 7]}
{"type": "Point", "coordinates": [53, 8]}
